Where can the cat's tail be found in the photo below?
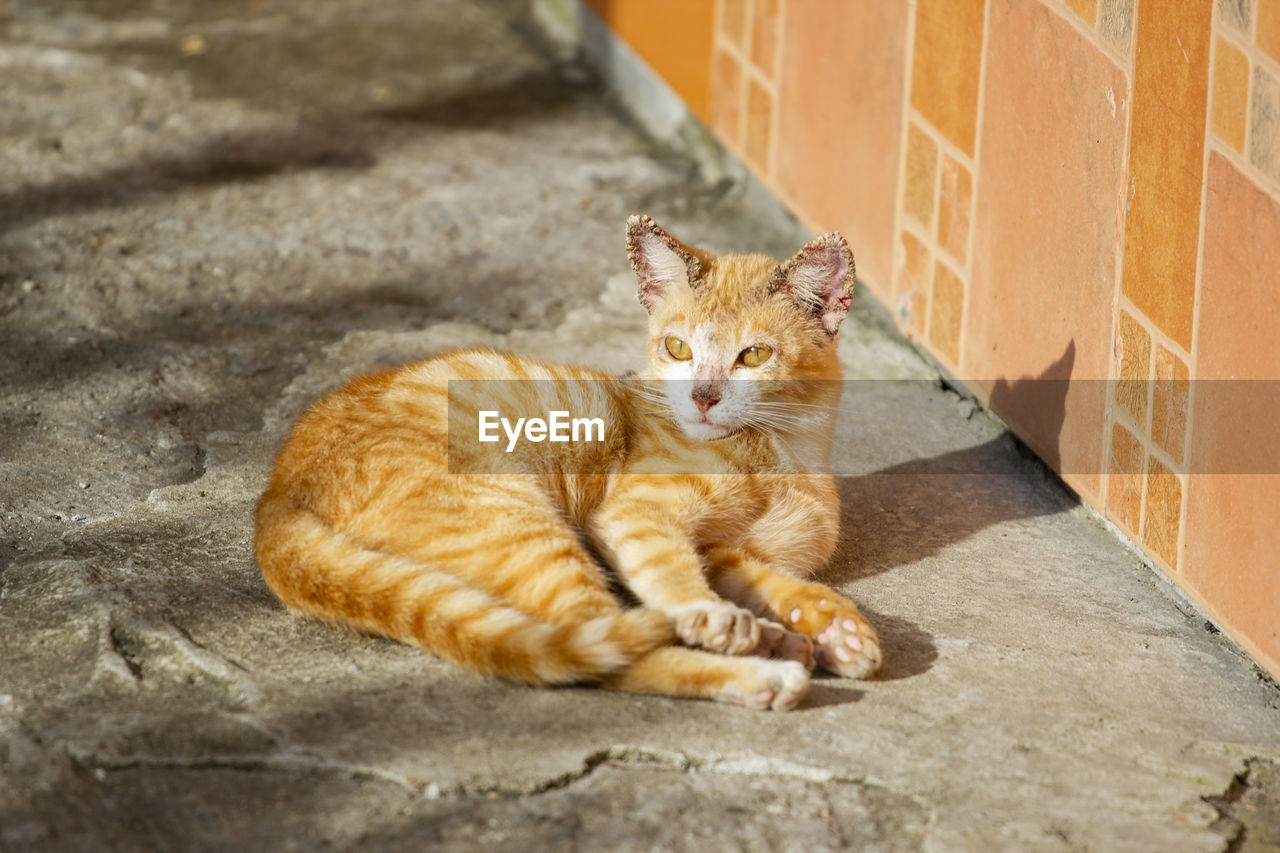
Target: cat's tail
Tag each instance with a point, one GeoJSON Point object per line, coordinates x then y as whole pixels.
{"type": "Point", "coordinates": [321, 571]}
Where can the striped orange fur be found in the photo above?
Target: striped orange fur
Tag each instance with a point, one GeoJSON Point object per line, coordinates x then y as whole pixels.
{"type": "Point", "coordinates": [708, 497]}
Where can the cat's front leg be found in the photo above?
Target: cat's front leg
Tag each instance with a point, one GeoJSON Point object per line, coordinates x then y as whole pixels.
{"type": "Point", "coordinates": [719, 626]}
{"type": "Point", "coordinates": [647, 542]}
{"type": "Point", "coordinates": [845, 643]}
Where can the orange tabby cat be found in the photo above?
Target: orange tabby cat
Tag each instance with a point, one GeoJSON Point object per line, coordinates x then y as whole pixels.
{"type": "Point", "coordinates": [707, 496]}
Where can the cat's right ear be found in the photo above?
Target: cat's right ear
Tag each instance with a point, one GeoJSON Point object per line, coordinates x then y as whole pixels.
{"type": "Point", "coordinates": [661, 262]}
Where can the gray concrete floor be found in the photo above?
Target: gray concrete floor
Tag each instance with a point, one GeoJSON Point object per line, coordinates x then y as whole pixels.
{"type": "Point", "coordinates": [193, 244]}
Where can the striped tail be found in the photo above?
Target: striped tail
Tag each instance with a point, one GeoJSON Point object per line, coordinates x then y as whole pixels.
{"type": "Point", "coordinates": [321, 571]}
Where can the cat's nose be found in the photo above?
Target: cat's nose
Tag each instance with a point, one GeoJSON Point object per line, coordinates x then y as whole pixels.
{"type": "Point", "coordinates": [705, 396]}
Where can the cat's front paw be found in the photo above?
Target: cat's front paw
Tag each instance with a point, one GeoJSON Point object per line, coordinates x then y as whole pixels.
{"type": "Point", "coordinates": [718, 627]}
{"type": "Point", "coordinates": [779, 643]}
{"type": "Point", "coordinates": [845, 643]}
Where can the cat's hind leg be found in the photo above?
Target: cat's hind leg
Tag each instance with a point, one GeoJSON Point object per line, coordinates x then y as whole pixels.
{"type": "Point", "coordinates": [505, 537]}
{"type": "Point", "coordinates": [513, 590]}
{"type": "Point", "coordinates": [751, 682]}
{"type": "Point", "coordinates": [318, 569]}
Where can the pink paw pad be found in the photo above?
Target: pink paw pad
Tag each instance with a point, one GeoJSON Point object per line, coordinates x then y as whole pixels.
{"type": "Point", "coordinates": [769, 685]}
{"type": "Point", "coordinates": [845, 643]}
{"type": "Point", "coordinates": [718, 627]}
{"type": "Point", "coordinates": [779, 643]}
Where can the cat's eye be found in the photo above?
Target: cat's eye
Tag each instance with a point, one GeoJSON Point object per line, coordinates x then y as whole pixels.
{"type": "Point", "coordinates": [679, 349]}
{"type": "Point", "coordinates": [756, 355]}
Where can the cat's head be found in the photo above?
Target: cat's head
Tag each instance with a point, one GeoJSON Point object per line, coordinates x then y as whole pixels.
{"type": "Point", "coordinates": [717, 320]}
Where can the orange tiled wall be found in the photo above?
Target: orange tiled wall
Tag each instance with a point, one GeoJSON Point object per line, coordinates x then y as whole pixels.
{"type": "Point", "coordinates": [673, 36]}
{"type": "Point", "coordinates": [1052, 189]}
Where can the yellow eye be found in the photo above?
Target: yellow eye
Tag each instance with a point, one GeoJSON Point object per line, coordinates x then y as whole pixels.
{"type": "Point", "coordinates": [679, 349]}
{"type": "Point", "coordinates": [755, 356]}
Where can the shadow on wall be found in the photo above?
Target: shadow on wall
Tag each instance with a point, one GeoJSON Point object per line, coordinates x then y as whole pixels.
{"type": "Point", "coordinates": [1039, 404]}
{"type": "Point", "coordinates": [914, 510]}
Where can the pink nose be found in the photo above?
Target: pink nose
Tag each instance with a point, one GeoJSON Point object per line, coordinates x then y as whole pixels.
{"type": "Point", "coordinates": [705, 397]}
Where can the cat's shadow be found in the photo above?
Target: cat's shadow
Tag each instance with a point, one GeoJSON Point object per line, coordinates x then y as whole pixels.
{"type": "Point", "coordinates": [908, 651]}
{"type": "Point", "coordinates": [828, 692]}
{"type": "Point", "coordinates": [906, 513]}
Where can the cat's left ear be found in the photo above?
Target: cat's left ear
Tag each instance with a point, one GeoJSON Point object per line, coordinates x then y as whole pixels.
{"type": "Point", "coordinates": [661, 262]}
{"type": "Point", "coordinates": [819, 278]}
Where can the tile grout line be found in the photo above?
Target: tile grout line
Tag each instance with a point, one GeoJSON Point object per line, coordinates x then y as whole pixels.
{"type": "Point", "coordinates": [717, 61]}
{"type": "Point", "coordinates": [899, 210]}
{"type": "Point", "coordinates": [1118, 298]}
{"type": "Point", "coordinates": [935, 199]}
{"type": "Point", "coordinates": [946, 145]}
{"type": "Point", "coordinates": [930, 229]}
{"type": "Point", "coordinates": [775, 117]}
{"type": "Point", "coordinates": [1097, 12]}
{"type": "Point", "coordinates": [1090, 33]}
{"type": "Point", "coordinates": [1152, 449]}
{"type": "Point", "coordinates": [1146, 431]}
{"type": "Point", "coordinates": [721, 49]}
{"type": "Point", "coordinates": [1264, 183]}
{"type": "Point", "coordinates": [1126, 425]}
{"type": "Point", "coordinates": [980, 110]}
{"type": "Point", "coordinates": [752, 74]}
{"type": "Point", "coordinates": [916, 230]}
{"type": "Point", "coordinates": [739, 97]}
{"type": "Point", "coordinates": [946, 148]}
{"type": "Point", "coordinates": [717, 79]}
{"type": "Point", "coordinates": [1157, 334]}
{"type": "Point", "coordinates": [780, 44]}
{"type": "Point", "coordinates": [1196, 300]}
{"type": "Point", "coordinates": [1266, 60]}
{"type": "Point", "coordinates": [965, 277]}
{"type": "Point", "coordinates": [1125, 63]}
{"type": "Point", "coordinates": [749, 67]}
{"type": "Point", "coordinates": [1257, 59]}
{"type": "Point", "coordinates": [1248, 103]}
{"type": "Point", "coordinates": [717, 82]}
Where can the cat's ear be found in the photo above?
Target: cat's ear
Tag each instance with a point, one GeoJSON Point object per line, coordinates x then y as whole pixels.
{"type": "Point", "coordinates": [819, 278]}
{"type": "Point", "coordinates": [660, 261]}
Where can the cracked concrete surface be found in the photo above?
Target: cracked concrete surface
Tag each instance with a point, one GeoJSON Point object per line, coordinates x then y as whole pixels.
{"type": "Point", "coordinates": [197, 237]}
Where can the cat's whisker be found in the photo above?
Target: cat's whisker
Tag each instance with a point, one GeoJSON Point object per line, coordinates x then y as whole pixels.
{"type": "Point", "coordinates": [790, 411]}
{"type": "Point", "coordinates": [645, 391]}
{"type": "Point", "coordinates": [783, 424]}
{"type": "Point", "coordinates": [795, 421]}
{"type": "Point", "coordinates": [785, 412]}
{"type": "Point", "coordinates": [785, 444]}
{"type": "Point", "coordinates": [773, 418]}
{"type": "Point", "coordinates": [790, 404]}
